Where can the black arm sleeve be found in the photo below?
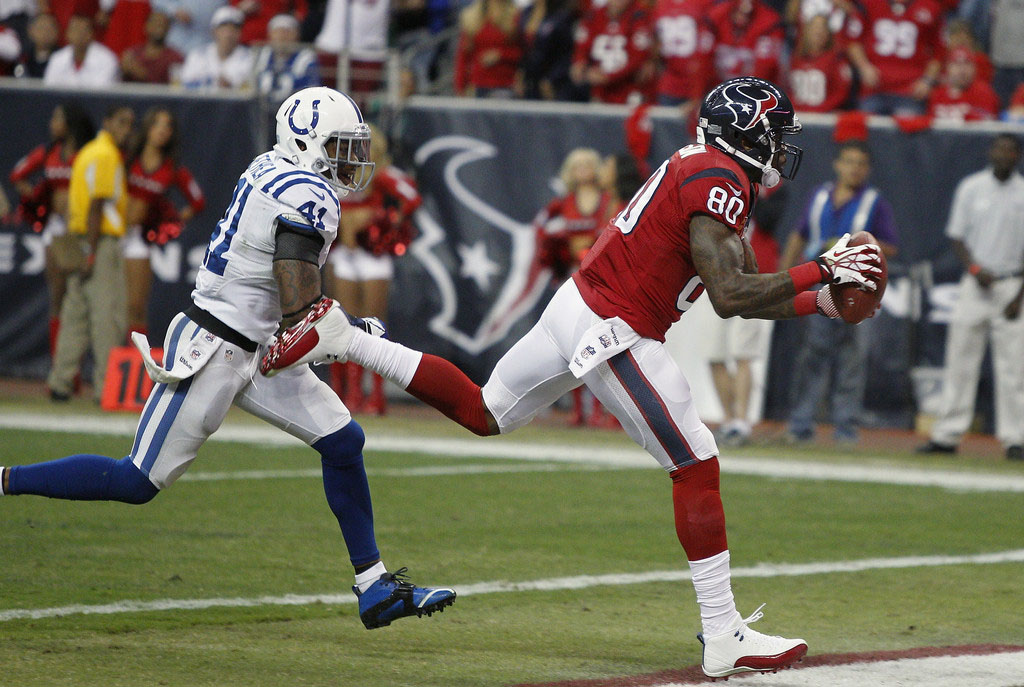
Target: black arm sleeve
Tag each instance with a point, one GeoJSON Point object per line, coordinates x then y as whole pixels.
{"type": "Point", "coordinates": [294, 243]}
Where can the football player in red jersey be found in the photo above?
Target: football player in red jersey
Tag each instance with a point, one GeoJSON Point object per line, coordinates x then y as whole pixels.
{"type": "Point", "coordinates": [681, 234]}
{"type": "Point", "coordinates": [899, 59]}
{"type": "Point", "coordinates": [614, 53]}
{"type": "Point", "coordinates": [819, 75]}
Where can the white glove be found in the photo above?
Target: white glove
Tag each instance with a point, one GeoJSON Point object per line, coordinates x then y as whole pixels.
{"type": "Point", "coordinates": [845, 264]}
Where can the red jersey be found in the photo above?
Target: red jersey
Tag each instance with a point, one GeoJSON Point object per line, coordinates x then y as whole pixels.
{"type": "Point", "coordinates": [126, 25]}
{"type": "Point", "coordinates": [900, 40]}
{"type": "Point", "coordinates": [751, 50]}
{"type": "Point", "coordinates": [620, 47]}
{"type": "Point", "coordinates": [471, 69]}
{"type": "Point", "coordinates": [684, 45]}
{"type": "Point", "coordinates": [640, 269]}
{"type": "Point", "coordinates": [820, 84]}
{"type": "Point", "coordinates": [975, 103]}
{"type": "Point", "coordinates": [56, 170]}
{"type": "Point", "coordinates": [151, 186]}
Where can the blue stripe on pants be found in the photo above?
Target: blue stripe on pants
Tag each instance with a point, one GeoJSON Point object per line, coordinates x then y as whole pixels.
{"type": "Point", "coordinates": [652, 408]}
{"type": "Point", "coordinates": [180, 391]}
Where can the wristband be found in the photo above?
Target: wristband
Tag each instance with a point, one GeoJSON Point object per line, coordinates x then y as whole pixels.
{"type": "Point", "coordinates": [805, 303]}
{"type": "Point", "coordinates": [974, 269]}
{"type": "Point", "coordinates": [805, 276]}
{"type": "Point", "coordinates": [304, 308]}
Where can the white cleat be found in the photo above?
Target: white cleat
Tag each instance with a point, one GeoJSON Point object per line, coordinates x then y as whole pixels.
{"type": "Point", "coordinates": [742, 650]}
{"type": "Point", "coordinates": [322, 336]}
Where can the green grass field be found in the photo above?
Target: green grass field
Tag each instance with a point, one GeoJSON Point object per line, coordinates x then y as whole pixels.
{"type": "Point", "coordinates": [251, 538]}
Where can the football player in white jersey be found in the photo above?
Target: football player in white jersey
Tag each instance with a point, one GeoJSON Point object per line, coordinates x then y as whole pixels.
{"type": "Point", "coordinates": [261, 274]}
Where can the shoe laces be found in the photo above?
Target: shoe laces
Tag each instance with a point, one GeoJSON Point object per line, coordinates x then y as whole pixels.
{"type": "Point", "coordinates": [753, 618]}
{"type": "Point", "coordinates": [400, 577]}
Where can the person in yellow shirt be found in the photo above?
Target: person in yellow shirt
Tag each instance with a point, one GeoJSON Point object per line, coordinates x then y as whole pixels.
{"type": "Point", "coordinates": [94, 310]}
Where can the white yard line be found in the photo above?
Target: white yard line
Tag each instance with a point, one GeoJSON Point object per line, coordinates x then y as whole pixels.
{"type": "Point", "coordinates": [507, 448]}
{"type": "Point", "coordinates": [500, 586]}
{"type": "Point", "coordinates": [424, 471]}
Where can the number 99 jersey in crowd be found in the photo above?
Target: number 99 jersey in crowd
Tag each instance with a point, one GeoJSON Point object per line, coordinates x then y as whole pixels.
{"type": "Point", "coordinates": [236, 280]}
{"type": "Point", "coordinates": [640, 269]}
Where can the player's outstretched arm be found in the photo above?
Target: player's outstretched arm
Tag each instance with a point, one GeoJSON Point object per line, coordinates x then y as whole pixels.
{"type": "Point", "coordinates": [719, 256]}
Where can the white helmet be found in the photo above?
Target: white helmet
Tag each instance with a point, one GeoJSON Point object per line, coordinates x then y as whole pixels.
{"type": "Point", "coordinates": [309, 121]}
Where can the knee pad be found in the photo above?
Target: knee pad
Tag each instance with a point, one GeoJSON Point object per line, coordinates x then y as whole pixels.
{"type": "Point", "coordinates": [343, 448]}
{"type": "Point", "coordinates": [129, 484]}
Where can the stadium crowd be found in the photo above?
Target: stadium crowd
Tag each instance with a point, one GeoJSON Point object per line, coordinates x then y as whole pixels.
{"type": "Point", "coordinates": [938, 58]}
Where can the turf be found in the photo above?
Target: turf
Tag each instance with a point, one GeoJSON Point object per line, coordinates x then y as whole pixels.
{"type": "Point", "coordinates": [249, 538]}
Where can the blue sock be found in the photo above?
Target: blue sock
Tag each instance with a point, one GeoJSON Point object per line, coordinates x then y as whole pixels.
{"type": "Point", "coordinates": [83, 477]}
{"type": "Point", "coordinates": [348, 492]}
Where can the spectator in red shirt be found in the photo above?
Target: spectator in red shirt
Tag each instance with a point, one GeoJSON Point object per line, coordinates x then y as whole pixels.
{"type": "Point", "coordinates": [899, 59]}
{"type": "Point", "coordinates": [614, 53]}
{"type": "Point", "coordinates": [123, 24]}
{"type": "Point", "coordinates": [684, 46]}
{"type": "Point", "coordinates": [151, 218]}
{"type": "Point", "coordinates": [962, 96]}
{"type": "Point", "coordinates": [152, 61]}
{"type": "Point", "coordinates": [489, 50]}
{"type": "Point", "coordinates": [258, 14]}
{"type": "Point", "coordinates": [819, 75]}
{"type": "Point", "coordinates": [960, 35]}
{"type": "Point", "coordinates": [748, 39]}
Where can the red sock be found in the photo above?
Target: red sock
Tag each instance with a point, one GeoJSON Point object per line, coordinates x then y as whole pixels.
{"type": "Point", "coordinates": [700, 519]}
{"type": "Point", "coordinates": [54, 331]}
{"type": "Point", "coordinates": [442, 385]}
{"type": "Point", "coordinates": [336, 375]}
{"type": "Point", "coordinates": [577, 406]}
{"type": "Point", "coordinates": [353, 398]}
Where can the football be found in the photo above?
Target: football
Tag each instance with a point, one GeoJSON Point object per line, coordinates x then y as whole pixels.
{"type": "Point", "coordinates": [854, 302]}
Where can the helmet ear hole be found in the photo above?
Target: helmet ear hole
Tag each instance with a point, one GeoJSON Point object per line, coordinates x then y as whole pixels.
{"type": "Point", "coordinates": [300, 144]}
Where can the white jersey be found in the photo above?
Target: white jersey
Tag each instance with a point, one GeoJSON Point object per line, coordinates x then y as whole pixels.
{"type": "Point", "coordinates": [236, 281]}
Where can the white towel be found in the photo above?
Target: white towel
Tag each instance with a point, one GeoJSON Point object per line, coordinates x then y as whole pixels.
{"type": "Point", "coordinates": [599, 343]}
{"type": "Point", "coordinates": [190, 359]}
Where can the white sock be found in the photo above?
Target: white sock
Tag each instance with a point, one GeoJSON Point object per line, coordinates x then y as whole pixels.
{"type": "Point", "coordinates": [2, 468]}
{"type": "Point", "coordinates": [712, 581]}
{"type": "Point", "coordinates": [392, 361]}
{"type": "Point", "coordinates": [368, 577]}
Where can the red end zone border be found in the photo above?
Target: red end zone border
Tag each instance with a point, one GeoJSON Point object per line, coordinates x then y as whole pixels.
{"type": "Point", "coordinates": [693, 674]}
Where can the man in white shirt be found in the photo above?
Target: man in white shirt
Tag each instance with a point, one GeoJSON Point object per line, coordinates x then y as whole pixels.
{"type": "Point", "coordinates": [986, 225]}
{"type": "Point", "coordinates": [82, 63]}
{"type": "Point", "coordinates": [224, 63]}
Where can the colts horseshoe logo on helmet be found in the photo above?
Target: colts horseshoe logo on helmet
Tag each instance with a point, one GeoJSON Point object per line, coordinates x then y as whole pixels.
{"type": "Point", "coordinates": [302, 131]}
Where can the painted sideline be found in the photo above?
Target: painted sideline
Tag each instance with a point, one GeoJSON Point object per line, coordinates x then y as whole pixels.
{"type": "Point", "coordinates": [543, 585]}
{"type": "Point", "coordinates": [966, 665]}
{"type": "Point", "coordinates": [508, 448]}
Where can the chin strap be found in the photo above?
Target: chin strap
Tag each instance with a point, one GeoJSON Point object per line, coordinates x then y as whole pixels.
{"type": "Point", "coordinates": [770, 176]}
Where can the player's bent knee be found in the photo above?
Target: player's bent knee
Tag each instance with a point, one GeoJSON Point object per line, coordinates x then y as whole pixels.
{"type": "Point", "coordinates": [128, 484]}
{"type": "Point", "coordinates": [342, 448]}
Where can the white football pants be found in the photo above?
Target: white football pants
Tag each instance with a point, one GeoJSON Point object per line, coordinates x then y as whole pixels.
{"type": "Point", "coordinates": [179, 417]}
{"type": "Point", "coordinates": [641, 386]}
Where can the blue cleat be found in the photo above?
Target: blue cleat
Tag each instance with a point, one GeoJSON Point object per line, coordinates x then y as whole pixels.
{"type": "Point", "coordinates": [392, 597]}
